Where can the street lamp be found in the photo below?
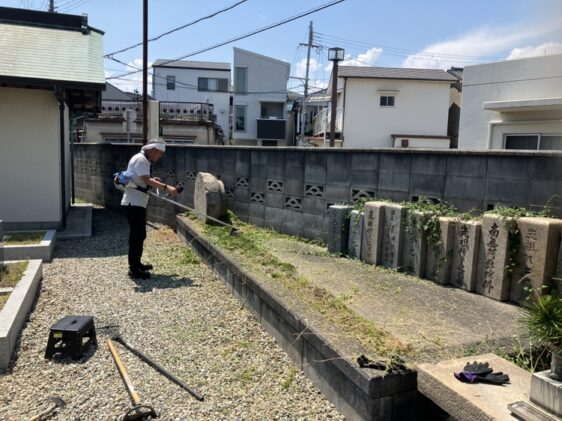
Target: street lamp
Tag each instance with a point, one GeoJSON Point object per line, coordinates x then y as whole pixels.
{"type": "Point", "coordinates": [335, 55]}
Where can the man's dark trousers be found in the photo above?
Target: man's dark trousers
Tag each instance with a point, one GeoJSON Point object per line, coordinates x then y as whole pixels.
{"type": "Point", "coordinates": [136, 215]}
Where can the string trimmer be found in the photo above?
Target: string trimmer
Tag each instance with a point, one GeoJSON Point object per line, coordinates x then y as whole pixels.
{"type": "Point", "coordinates": [123, 180]}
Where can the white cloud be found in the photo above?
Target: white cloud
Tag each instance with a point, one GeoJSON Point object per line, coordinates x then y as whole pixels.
{"type": "Point", "coordinates": [540, 50]}
{"type": "Point", "coordinates": [130, 83]}
{"type": "Point", "coordinates": [313, 68]}
{"type": "Point", "coordinates": [482, 42]}
{"type": "Point", "coordinates": [368, 58]}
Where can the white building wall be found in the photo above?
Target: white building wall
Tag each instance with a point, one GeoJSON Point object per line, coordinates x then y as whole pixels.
{"type": "Point", "coordinates": [30, 157]}
{"type": "Point", "coordinates": [266, 82]}
{"type": "Point", "coordinates": [523, 79]}
{"type": "Point", "coordinates": [420, 108]}
{"type": "Point", "coordinates": [190, 93]}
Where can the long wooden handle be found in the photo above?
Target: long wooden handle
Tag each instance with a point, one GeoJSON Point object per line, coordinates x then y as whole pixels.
{"type": "Point", "coordinates": [43, 414]}
{"type": "Point", "coordinates": [134, 395]}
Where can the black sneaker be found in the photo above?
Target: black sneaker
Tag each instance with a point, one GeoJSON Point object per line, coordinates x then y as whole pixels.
{"type": "Point", "coordinates": [141, 274]}
{"type": "Point", "coordinates": [146, 267]}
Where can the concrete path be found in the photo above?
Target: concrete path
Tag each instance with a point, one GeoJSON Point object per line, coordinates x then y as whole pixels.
{"type": "Point", "coordinates": [439, 322]}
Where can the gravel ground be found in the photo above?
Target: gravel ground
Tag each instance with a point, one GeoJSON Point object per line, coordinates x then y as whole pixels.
{"type": "Point", "coordinates": [184, 317]}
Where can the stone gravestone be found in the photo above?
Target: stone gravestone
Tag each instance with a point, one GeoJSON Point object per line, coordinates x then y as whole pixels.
{"type": "Point", "coordinates": [536, 257]}
{"type": "Point", "coordinates": [465, 254]}
{"type": "Point", "coordinates": [440, 256]}
{"type": "Point", "coordinates": [393, 230]}
{"type": "Point", "coordinates": [557, 279]}
{"type": "Point", "coordinates": [338, 228]}
{"type": "Point", "coordinates": [355, 233]}
{"type": "Point", "coordinates": [209, 197]}
{"type": "Point", "coordinates": [373, 219]}
{"type": "Point", "coordinates": [414, 244]}
{"type": "Point", "coordinates": [493, 280]}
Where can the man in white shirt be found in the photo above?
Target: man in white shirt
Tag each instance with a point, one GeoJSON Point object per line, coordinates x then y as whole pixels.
{"type": "Point", "coordinates": [134, 202]}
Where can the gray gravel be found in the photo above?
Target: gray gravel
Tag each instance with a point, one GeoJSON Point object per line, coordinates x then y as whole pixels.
{"type": "Point", "coordinates": [184, 317]}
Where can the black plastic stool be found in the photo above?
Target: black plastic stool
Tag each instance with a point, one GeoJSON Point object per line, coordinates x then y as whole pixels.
{"type": "Point", "coordinates": [70, 331]}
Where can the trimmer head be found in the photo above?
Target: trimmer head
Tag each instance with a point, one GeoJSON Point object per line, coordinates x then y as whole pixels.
{"type": "Point", "coordinates": [140, 412]}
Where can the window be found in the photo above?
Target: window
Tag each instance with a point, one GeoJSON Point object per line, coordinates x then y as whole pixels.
{"type": "Point", "coordinates": [387, 101]}
{"type": "Point", "coordinates": [171, 83]}
{"type": "Point", "coordinates": [240, 80]}
{"type": "Point", "coordinates": [212, 84]}
{"type": "Point", "coordinates": [240, 118]}
{"type": "Point", "coordinates": [534, 142]}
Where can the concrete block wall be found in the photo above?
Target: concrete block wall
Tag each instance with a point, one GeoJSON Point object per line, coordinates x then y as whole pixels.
{"type": "Point", "coordinates": [290, 189]}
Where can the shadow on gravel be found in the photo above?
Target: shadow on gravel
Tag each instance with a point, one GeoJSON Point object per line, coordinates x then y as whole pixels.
{"type": "Point", "coordinates": [162, 282]}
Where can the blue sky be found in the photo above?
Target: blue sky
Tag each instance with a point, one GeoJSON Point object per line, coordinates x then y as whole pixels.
{"type": "Point", "coordinates": [399, 33]}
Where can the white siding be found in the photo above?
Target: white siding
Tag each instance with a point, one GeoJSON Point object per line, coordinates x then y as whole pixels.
{"type": "Point", "coordinates": [190, 93]}
{"type": "Point", "coordinates": [267, 82]}
{"type": "Point", "coordinates": [29, 156]}
{"type": "Point", "coordinates": [512, 80]}
{"type": "Point", "coordinates": [421, 108]}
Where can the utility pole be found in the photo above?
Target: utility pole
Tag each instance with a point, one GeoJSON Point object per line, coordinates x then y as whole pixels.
{"type": "Point", "coordinates": [303, 110]}
{"type": "Point", "coordinates": [52, 6]}
{"type": "Point", "coordinates": [144, 71]}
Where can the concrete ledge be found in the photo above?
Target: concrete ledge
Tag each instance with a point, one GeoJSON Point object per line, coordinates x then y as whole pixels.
{"type": "Point", "coordinates": [473, 401]}
{"type": "Point", "coordinates": [43, 251]}
{"type": "Point", "coordinates": [14, 313]}
{"type": "Point", "coordinates": [360, 394]}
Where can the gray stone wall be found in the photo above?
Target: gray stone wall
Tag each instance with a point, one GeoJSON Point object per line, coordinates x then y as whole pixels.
{"type": "Point", "coordinates": [290, 189]}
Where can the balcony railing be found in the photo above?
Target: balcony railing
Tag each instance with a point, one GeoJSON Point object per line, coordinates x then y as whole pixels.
{"type": "Point", "coordinates": [322, 121]}
{"type": "Point", "coordinates": [271, 128]}
{"type": "Point", "coordinates": [189, 111]}
{"type": "Point", "coordinates": [113, 108]}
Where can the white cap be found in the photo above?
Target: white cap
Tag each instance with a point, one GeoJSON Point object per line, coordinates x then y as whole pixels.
{"type": "Point", "coordinates": [155, 144]}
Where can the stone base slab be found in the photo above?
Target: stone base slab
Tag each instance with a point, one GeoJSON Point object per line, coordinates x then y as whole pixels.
{"type": "Point", "coordinates": [43, 251]}
{"type": "Point", "coordinates": [546, 392]}
{"type": "Point", "coordinates": [14, 313]}
{"type": "Point", "coordinates": [473, 401]}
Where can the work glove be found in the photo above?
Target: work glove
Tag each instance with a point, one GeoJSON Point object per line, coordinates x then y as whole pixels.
{"type": "Point", "coordinates": [494, 378]}
{"type": "Point", "coordinates": [479, 369]}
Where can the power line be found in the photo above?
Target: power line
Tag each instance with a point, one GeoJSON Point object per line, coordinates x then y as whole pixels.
{"type": "Point", "coordinates": [257, 31]}
{"type": "Point", "coordinates": [68, 8]}
{"type": "Point", "coordinates": [232, 6]}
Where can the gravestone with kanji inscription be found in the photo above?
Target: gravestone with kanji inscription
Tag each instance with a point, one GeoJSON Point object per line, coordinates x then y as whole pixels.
{"type": "Point", "coordinates": [414, 244]}
{"type": "Point", "coordinates": [537, 255]}
{"type": "Point", "coordinates": [393, 230]}
{"type": "Point", "coordinates": [373, 219]}
{"type": "Point", "coordinates": [440, 255]}
{"type": "Point", "coordinates": [338, 228]}
{"type": "Point", "coordinates": [355, 233]}
{"type": "Point", "coordinates": [464, 267]}
{"type": "Point", "coordinates": [493, 279]}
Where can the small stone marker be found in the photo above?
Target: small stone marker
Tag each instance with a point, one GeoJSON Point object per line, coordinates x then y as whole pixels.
{"type": "Point", "coordinates": [493, 280]}
{"type": "Point", "coordinates": [393, 230]}
{"type": "Point", "coordinates": [373, 220]}
{"type": "Point", "coordinates": [440, 256]}
{"type": "Point", "coordinates": [537, 255]}
{"type": "Point", "coordinates": [338, 228]}
{"type": "Point", "coordinates": [414, 244]}
{"type": "Point", "coordinates": [209, 197]}
{"type": "Point", "coordinates": [465, 254]}
{"type": "Point", "coordinates": [355, 233]}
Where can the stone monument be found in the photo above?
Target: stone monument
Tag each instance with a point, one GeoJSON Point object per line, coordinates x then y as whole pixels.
{"type": "Point", "coordinates": [209, 197]}
{"type": "Point", "coordinates": [373, 219]}
{"type": "Point", "coordinates": [414, 244]}
{"type": "Point", "coordinates": [338, 228]}
{"type": "Point", "coordinates": [355, 233]}
{"type": "Point", "coordinates": [440, 256]}
{"type": "Point", "coordinates": [536, 257]}
{"type": "Point", "coordinates": [465, 254]}
{"type": "Point", "coordinates": [393, 230]}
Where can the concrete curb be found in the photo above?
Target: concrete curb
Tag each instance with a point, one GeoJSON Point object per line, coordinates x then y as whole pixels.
{"type": "Point", "coordinates": [360, 394]}
{"type": "Point", "coordinates": [43, 251]}
{"type": "Point", "coordinates": [14, 313]}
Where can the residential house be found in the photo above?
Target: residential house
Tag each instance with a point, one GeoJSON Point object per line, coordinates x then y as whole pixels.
{"type": "Point", "coordinates": [513, 104]}
{"type": "Point", "coordinates": [194, 82]}
{"type": "Point", "coordinates": [51, 69]}
{"type": "Point", "coordinates": [260, 100]}
{"type": "Point", "coordinates": [380, 107]}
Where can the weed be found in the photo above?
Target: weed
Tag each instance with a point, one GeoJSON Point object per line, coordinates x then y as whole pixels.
{"type": "Point", "coordinates": [288, 381]}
